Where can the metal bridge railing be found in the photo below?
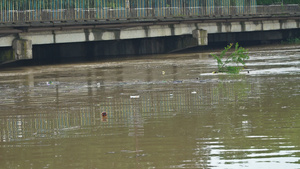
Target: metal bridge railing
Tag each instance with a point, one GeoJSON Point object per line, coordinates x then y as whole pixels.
{"type": "Point", "coordinates": [123, 13]}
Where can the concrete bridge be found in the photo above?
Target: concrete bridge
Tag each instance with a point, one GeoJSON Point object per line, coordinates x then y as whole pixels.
{"type": "Point", "coordinates": [90, 37]}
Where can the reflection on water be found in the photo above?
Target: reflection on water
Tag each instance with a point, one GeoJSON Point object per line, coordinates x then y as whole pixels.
{"type": "Point", "coordinates": [163, 111]}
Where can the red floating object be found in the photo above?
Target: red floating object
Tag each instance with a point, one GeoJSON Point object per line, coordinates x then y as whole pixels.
{"type": "Point", "coordinates": [104, 114]}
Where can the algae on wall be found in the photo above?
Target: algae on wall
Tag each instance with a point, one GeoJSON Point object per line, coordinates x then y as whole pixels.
{"type": "Point", "coordinates": [6, 54]}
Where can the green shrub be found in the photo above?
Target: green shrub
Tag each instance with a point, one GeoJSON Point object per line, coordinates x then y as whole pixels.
{"type": "Point", "coordinates": [237, 57]}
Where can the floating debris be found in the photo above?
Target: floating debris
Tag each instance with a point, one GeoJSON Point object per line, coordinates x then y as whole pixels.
{"type": "Point", "coordinates": [135, 97]}
{"type": "Point", "coordinates": [104, 114]}
{"type": "Point", "coordinates": [52, 83]}
{"type": "Point", "coordinates": [131, 151]}
{"type": "Point", "coordinates": [49, 83]}
{"type": "Point", "coordinates": [177, 81]}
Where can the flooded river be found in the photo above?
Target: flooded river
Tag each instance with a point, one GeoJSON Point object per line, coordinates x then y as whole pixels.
{"type": "Point", "coordinates": [163, 111]}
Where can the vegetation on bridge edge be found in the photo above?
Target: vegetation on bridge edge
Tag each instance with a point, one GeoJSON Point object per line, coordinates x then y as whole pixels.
{"type": "Point", "coordinates": [270, 2]}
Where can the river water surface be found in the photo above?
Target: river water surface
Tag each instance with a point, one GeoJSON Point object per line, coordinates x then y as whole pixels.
{"type": "Point", "coordinates": [163, 111]}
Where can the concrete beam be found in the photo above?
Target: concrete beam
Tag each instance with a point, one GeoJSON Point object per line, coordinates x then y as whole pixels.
{"type": "Point", "coordinates": [148, 31]}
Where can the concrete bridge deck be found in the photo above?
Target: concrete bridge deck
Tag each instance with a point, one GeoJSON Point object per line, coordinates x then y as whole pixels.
{"type": "Point", "coordinates": [141, 35]}
{"type": "Point", "coordinates": [35, 26]}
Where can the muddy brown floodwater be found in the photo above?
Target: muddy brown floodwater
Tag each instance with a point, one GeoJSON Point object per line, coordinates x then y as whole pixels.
{"type": "Point", "coordinates": [163, 111]}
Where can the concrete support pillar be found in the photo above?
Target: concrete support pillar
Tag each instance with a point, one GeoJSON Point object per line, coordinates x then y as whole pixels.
{"type": "Point", "coordinates": [201, 36]}
{"type": "Point", "coordinates": [22, 49]}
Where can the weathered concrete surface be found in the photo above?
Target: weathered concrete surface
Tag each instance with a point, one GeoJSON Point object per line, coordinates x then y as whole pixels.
{"type": "Point", "coordinates": [151, 31]}
{"type": "Point", "coordinates": [6, 55]}
{"type": "Point", "coordinates": [115, 48]}
{"type": "Point", "coordinates": [151, 37]}
{"type": "Point", "coordinates": [22, 49]}
{"type": "Point", "coordinates": [201, 36]}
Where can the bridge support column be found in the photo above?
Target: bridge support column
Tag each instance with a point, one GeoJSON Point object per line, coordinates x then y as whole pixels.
{"type": "Point", "coordinates": [22, 49]}
{"type": "Point", "coordinates": [201, 36]}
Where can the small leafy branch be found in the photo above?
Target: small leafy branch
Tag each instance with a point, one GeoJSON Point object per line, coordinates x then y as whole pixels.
{"type": "Point", "coordinates": [237, 57]}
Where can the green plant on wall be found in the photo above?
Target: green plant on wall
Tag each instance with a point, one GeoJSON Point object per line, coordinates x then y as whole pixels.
{"type": "Point", "coordinates": [6, 55]}
{"type": "Point", "coordinates": [230, 63]}
{"type": "Point", "coordinates": [294, 41]}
